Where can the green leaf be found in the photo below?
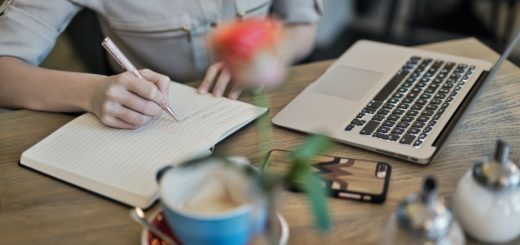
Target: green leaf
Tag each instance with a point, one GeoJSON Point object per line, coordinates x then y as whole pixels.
{"type": "Point", "coordinates": [317, 195]}
{"type": "Point", "coordinates": [303, 177]}
{"type": "Point", "coordinates": [313, 146]}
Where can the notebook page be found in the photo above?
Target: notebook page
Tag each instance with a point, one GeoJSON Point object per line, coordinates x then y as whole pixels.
{"type": "Point", "coordinates": [204, 117]}
{"type": "Point", "coordinates": [126, 160]}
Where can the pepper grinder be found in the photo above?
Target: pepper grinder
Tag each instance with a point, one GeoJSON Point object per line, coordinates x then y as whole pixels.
{"type": "Point", "coordinates": [422, 218]}
{"type": "Point", "coordinates": [487, 199]}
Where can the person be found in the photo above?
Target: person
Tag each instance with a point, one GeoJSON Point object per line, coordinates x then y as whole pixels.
{"type": "Point", "coordinates": [166, 36]}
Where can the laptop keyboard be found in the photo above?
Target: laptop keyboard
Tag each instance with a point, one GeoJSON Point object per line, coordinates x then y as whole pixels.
{"type": "Point", "coordinates": [409, 106]}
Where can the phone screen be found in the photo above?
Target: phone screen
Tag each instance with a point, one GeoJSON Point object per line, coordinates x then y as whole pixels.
{"type": "Point", "coordinates": [344, 177]}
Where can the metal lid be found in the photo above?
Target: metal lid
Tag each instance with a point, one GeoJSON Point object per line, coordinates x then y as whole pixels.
{"type": "Point", "coordinates": [424, 215]}
{"type": "Point", "coordinates": [500, 173]}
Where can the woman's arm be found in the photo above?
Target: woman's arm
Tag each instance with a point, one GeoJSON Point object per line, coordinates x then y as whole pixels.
{"type": "Point", "coordinates": [297, 42]}
{"type": "Point", "coordinates": [122, 101]}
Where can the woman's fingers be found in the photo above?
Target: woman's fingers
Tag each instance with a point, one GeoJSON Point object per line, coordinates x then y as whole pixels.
{"type": "Point", "coordinates": [138, 104]}
{"type": "Point", "coordinates": [144, 89]}
{"type": "Point", "coordinates": [222, 81]}
{"type": "Point", "coordinates": [210, 77]}
{"type": "Point", "coordinates": [117, 123]}
{"type": "Point", "coordinates": [235, 91]}
{"type": "Point", "coordinates": [125, 101]}
{"type": "Point", "coordinates": [161, 81]}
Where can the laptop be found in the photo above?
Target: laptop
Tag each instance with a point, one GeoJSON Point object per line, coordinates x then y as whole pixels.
{"type": "Point", "coordinates": [398, 101]}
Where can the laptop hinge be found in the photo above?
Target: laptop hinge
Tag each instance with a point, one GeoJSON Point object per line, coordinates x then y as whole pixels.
{"type": "Point", "coordinates": [443, 136]}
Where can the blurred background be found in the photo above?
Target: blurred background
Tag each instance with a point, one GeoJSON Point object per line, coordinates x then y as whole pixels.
{"type": "Point", "coordinates": [405, 22]}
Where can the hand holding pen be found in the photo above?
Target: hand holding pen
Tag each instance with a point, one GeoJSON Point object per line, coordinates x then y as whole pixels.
{"type": "Point", "coordinates": [127, 101]}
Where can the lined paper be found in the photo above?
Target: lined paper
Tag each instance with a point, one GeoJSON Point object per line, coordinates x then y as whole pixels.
{"type": "Point", "coordinates": [121, 164]}
{"type": "Point", "coordinates": [125, 159]}
{"type": "Point", "coordinates": [205, 117]}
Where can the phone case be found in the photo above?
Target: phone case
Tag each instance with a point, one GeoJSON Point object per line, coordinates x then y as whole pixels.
{"type": "Point", "coordinates": [356, 179]}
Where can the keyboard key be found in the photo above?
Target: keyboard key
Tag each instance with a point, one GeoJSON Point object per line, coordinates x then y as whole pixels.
{"type": "Point", "coordinates": [399, 111]}
{"type": "Point", "coordinates": [374, 104]}
{"type": "Point", "coordinates": [383, 129]}
{"type": "Point", "coordinates": [378, 117]}
{"type": "Point", "coordinates": [425, 96]}
{"type": "Point", "coordinates": [431, 107]}
{"type": "Point", "coordinates": [388, 106]}
{"type": "Point", "coordinates": [418, 124]}
{"type": "Point", "coordinates": [349, 127]}
{"type": "Point", "coordinates": [403, 106]}
{"type": "Point", "coordinates": [360, 115]}
{"type": "Point", "coordinates": [368, 110]}
{"type": "Point", "coordinates": [370, 127]}
{"type": "Point", "coordinates": [413, 130]}
{"type": "Point", "coordinates": [380, 135]}
{"type": "Point", "coordinates": [432, 123]}
{"type": "Point", "coordinates": [429, 91]}
{"type": "Point", "coordinates": [383, 112]}
{"type": "Point", "coordinates": [417, 143]}
{"type": "Point", "coordinates": [388, 123]}
{"type": "Point", "coordinates": [393, 100]}
{"type": "Point", "coordinates": [407, 118]}
{"type": "Point", "coordinates": [444, 90]}
{"type": "Point", "coordinates": [422, 135]}
{"type": "Point", "coordinates": [403, 124]}
{"type": "Point", "coordinates": [412, 113]}
{"type": "Point", "coordinates": [422, 118]}
{"type": "Point", "coordinates": [408, 100]}
{"type": "Point", "coordinates": [358, 122]}
{"type": "Point", "coordinates": [421, 101]}
{"type": "Point", "coordinates": [394, 117]}
{"type": "Point", "coordinates": [427, 113]}
{"type": "Point", "coordinates": [436, 102]}
{"type": "Point", "coordinates": [407, 139]}
{"type": "Point", "coordinates": [417, 107]}
{"type": "Point", "coordinates": [390, 86]}
{"type": "Point", "coordinates": [447, 86]}
{"type": "Point", "coordinates": [416, 90]}
{"type": "Point", "coordinates": [412, 95]}
{"type": "Point", "coordinates": [393, 137]}
{"type": "Point", "coordinates": [440, 96]}
{"type": "Point", "coordinates": [427, 129]}
{"type": "Point", "coordinates": [398, 131]}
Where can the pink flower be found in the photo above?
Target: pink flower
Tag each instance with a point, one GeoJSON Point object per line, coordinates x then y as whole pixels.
{"type": "Point", "coordinates": [247, 48]}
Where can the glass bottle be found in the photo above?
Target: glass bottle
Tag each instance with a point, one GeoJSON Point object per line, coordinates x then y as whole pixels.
{"type": "Point", "coordinates": [422, 218]}
{"type": "Point", "coordinates": [487, 198]}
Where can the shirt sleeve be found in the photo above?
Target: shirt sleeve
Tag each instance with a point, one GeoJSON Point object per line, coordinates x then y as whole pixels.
{"type": "Point", "coordinates": [298, 11]}
{"type": "Point", "coordinates": [29, 28]}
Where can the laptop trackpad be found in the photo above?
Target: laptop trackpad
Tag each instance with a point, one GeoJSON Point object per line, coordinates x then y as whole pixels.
{"type": "Point", "coordinates": [347, 82]}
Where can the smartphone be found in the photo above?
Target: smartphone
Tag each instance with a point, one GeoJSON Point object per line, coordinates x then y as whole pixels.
{"type": "Point", "coordinates": [348, 178]}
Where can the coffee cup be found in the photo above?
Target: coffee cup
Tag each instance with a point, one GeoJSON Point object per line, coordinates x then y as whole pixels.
{"type": "Point", "coordinates": [212, 201]}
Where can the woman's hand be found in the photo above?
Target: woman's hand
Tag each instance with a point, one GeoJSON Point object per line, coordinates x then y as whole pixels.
{"type": "Point", "coordinates": [219, 78]}
{"type": "Point", "coordinates": [126, 101]}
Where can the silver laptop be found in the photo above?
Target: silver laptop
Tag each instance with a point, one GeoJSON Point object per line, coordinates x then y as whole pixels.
{"type": "Point", "coordinates": [395, 100]}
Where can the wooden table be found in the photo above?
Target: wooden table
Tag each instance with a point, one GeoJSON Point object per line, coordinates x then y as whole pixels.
{"type": "Point", "coordinates": [37, 209]}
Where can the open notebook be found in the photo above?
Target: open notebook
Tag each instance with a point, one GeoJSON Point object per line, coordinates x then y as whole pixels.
{"type": "Point", "coordinates": [121, 164]}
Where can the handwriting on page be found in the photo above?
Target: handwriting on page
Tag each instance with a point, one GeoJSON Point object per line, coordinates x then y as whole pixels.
{"type": "Point", "coordinates": [209, 123]}
{"type": "Point", "coordinates": [204, 117]}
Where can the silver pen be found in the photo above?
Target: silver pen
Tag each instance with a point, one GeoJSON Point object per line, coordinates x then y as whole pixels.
{"type": "Point", "coordinates": [114, 51]}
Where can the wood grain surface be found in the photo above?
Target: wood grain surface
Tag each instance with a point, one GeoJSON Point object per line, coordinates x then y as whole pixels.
{"type": "Point", "coordinates": [36, 209]}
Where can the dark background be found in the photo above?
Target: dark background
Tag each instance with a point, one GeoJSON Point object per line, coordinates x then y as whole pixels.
{"type": "Point", "coordinates": [404, 22]}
